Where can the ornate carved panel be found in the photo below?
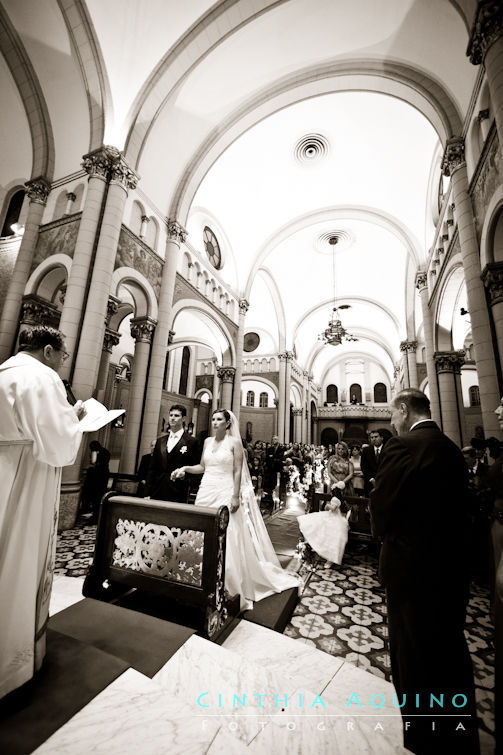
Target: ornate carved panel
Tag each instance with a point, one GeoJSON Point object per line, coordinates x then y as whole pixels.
{"type": "Point", "coordinates": [173, 554]}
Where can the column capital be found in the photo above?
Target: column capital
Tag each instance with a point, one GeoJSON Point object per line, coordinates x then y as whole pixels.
{"type": "Point", "coordinates": [454, 155]}
{"type": "Point", "coordinates": [38, 189]}
{"type": "Point", "coordinates": [297, 412]}
{"type": "Point", "coordinates": [226, 374]}
{"type": "Point", "coordinates": [492, 277]}
{"type": "Point", "coordinates": [110, 339]}
{"type": "Point", "coordinates": [487, 28]}
{"type": "Point", "coordinates": [142, 329]}
{"type": "Point", "coordinates": [99, 161]}
{"type": "Point", "coordinates": [71, 196]}
{"type": "Point", "coordinates": [122, 174]}
{"type": "Point", "coordinates": [421, 280]}
{"type": "Point", "coordinates": [408, 346]}
{"type": "Point", "coordinates": [37, 311]}
{"type": "Point", "coordinates": [244, 306]}
{"type": "Point", "coordinates": [176, 232]}
{"type": "Point", "coordinates": [449, 361]}
{"type": "Point", "coordinates": [286, 356]}
{"type": "Point", "coordinates": [305, 374]}
{"type": "Point", "coordinates": [112, 307]}
{"type": "Point", "coordinates": [145, 218]}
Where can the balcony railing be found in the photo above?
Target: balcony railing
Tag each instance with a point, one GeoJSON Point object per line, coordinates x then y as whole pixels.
{"type": "Point", "coordinates": [365, 411]}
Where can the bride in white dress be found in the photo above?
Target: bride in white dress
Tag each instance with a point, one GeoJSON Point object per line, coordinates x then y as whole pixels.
{"type": "Point", "coordinates": [252, 569]}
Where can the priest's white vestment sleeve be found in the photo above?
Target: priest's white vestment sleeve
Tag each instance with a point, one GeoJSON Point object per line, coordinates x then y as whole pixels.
{"type": "Point", "coordinates": [39, 433]}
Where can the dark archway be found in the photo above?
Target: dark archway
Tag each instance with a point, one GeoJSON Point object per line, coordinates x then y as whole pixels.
{"type": "Point", "coordinates": [329, 435]}
{"type": "Point", "coordinates": [332, 394]}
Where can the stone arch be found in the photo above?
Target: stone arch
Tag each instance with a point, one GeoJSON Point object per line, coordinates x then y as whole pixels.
{"type": "Point", "coordinates": [152, 237]}
{"type": "Point", "coordinates": [203, 310]}
{"type": "Point", "coordinates": [146, 300]}
{"type": "Point", "coordinates": [50, 274]}
{"type": "Point", "coordinates": [491, 240]}
{"type": "Point", "coordinates": [135, 216]}
{"type": "Point", "coordinates": [453, 280]}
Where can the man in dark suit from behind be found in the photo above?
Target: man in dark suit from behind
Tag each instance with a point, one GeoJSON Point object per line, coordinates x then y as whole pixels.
{"type": "Point", "coordinates": [419, 507]}
{"type": "Point", "coordinates": [172, 450]}
{"type": "Point", "coordinates": [370, 458]}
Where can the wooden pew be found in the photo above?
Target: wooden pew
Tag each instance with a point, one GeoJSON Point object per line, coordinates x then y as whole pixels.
{"type": "Point", "coordinates": [164, 558]}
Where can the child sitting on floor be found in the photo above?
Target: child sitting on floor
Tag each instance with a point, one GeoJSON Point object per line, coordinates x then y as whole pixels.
{"type": "Point", "coordinates": [326, 532]}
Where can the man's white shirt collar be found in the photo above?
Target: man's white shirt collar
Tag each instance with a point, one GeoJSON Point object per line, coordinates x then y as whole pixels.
{"type": "Point", "coordinates": [418, 423]}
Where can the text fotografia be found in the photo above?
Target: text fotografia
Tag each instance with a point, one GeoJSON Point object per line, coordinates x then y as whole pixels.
{"type": "Point", "coordinates": [300, 700]}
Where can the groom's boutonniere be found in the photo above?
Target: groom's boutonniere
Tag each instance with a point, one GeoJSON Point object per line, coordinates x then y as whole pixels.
{"type": "Point", "coordinates": [183, 450]}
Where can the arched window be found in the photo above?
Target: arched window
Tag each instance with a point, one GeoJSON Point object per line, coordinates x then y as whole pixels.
{"type": "Point", "coordinates": [13, 212]}
{"type": "Point", "coordinates": [355, 394]}
{"type": "Point", "coordinates": [264, 400]}
{"type": "Point", "coordinates": [250, 398]}
{"type": "Point", "coordinates": [474, 394]}
{"type": "Point", "coordinates": [184, 371]}
{"type": "Point", "coordinates": [380, 393]}
{"type": "Point", "coordinates": [332, 394]}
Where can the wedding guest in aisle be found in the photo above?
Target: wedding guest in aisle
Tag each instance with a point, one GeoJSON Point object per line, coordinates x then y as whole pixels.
{"type": "Point", "coordinates": [370, 459]}
{"type": "Point", "coordinates": [419, 508]}
{"type": "Point", "coordinates": [358, 481]}
{"type": "Point", "coordinates": [39, 433]}
{"type": "Point", "coordinates": [340, 469]}
{"type": "Point", "coordinates": [170, 452]}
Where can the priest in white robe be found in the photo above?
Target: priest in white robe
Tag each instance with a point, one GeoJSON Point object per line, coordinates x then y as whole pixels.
{"type": "Point", "coordinates": [39, 433]}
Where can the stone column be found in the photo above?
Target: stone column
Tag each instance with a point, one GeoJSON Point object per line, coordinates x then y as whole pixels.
{"type": "Point", "coordinates": [288, 376]}
{"type": "Point", "coordinates": [70, 199]}
{"type": "Point", "coordinates": [493, 281]}
{"type": "Point", "coordinates": [142, 329]}
{"type": "Point", "coordinates": [281, 397]}
{"type": "Point", "coordinates": [422, 287]}
{"type": "Point", "coordinates": [309, 438]}
{"type": "Point", "coordinates": [98, 165]}
{"type": "Point", "coordinates": [226, 375]}
{"type": "Point", "coordinates": [38, 190]}
{"type": "Point", "coordinates": [304, 407]}
{"type": "Point", "coordinates": [176, 236]}
{"type": "Point", "coordinates": [195, 414]}
{"type": "Point", "coordinates": [297, 424]}
{"type": "Point", "coordinates": [93, 325]}
{"type": "Point", "coordinates": [403, 349]}
{"type": "Point", "coordinates": [214, 399]}
{"type": "Point", "coordinates": [454, 165]}
{"type": "Point", "coordinates": [486, 46]}
{"type": "Point", "coordinates": [144, 223]}
{"type": "Point", "coordinates": [110, 339]}
{"type": "Point", "coordinates": [448, 365]}
{"type": "Point", "coordinates": [236, 403]}
{"type": "Point", "coordinates": [409, 348]}
{"type": "Point", "coordinates": [316, 432]}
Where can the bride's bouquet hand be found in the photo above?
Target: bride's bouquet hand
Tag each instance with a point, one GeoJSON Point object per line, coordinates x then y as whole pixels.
{"type": "Point", "coordinates": [178, 474]}
{"type": "Point", "coordinates": [234, 503]}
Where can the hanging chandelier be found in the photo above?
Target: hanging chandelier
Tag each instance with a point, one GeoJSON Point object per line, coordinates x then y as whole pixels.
{"type": "Point", "coordinates": [335, 334]}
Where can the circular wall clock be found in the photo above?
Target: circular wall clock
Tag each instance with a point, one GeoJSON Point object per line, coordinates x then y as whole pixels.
{"type": "Point", "coordinates": [212, 248]}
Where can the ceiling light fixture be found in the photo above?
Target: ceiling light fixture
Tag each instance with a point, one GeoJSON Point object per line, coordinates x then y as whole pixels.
{"type": "Point", "coordinates": [335, 334]}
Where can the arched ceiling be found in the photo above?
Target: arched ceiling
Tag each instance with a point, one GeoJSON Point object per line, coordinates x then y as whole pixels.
{"type": "Point", "coordinates": [209, 102]}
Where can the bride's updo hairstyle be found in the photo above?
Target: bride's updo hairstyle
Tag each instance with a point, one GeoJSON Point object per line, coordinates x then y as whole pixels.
{"type": "Point", "coordinates": [226, 415]}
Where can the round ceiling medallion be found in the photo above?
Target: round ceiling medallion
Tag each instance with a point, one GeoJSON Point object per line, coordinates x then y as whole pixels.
{"type": "Point", "coordinates": [212, 248]}
{"type": "Point", "coordinates": [336, 240]}
{"type": "Point", "coordinates": [251, 341]}
{"type": "Point", "coordinates": [311, 147]}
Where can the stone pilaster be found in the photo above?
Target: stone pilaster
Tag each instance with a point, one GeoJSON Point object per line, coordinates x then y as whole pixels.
{"type": "Point", "coordinates": [486, 47]}
{"type": "Point", "coordinates": [195, 415]}
{"type": "Point", "coordinates": [297, 424]}
{"type": "Point", "coordinates": [288, 378]}
{"type": "Point", "coordinates": [110, 339]}
{"type": "Point", "coordinates": [142, 330]}
{"type": "Point", "coordinates": [37, 190]}
{"type": "Point", "coordinates": [176, 236]}
{"type": "Point", "coordinates": [409, 349]}
{"type": "Point", "coordinates": [448, 365]}
{"type": "Point", "coordinates": [454, 165]}
{"type": "Point", "coordinates": [281, 397]}
{"type": "Point", "coordinates": [226, 376]}
{"type": "Point", "coordinates": [215, 397]}
{"type": "Point", "coordinates": [236, 403]}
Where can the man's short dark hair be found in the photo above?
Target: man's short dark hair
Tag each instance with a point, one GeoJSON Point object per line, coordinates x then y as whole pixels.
{"type": "Point", "coordinates": [417, 401]}
{"type": "Point", "coordinates": [39, 337]}
{"type": "Point", "coordinates": [178, 408]}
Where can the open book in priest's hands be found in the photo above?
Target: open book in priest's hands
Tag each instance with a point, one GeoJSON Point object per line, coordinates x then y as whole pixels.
{"type": "Point", "coordinates": [97, 416]}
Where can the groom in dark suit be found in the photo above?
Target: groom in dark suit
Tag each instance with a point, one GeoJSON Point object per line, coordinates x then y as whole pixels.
{"type": "Point", "coordinates": [419, 507]}
{"type": "Point", "coordinates": [172, 450]}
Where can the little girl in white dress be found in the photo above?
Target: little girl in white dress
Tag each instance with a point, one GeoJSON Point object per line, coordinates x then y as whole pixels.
{"type": "Point", "coordinates": [326, 531]}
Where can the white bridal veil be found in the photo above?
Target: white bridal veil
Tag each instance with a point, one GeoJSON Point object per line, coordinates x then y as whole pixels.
{"type": "Point", "coordinates": [251, 510]}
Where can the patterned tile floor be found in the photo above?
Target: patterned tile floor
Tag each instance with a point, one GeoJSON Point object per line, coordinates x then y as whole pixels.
{"type": "Point", "coordinates": [342, 611]}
